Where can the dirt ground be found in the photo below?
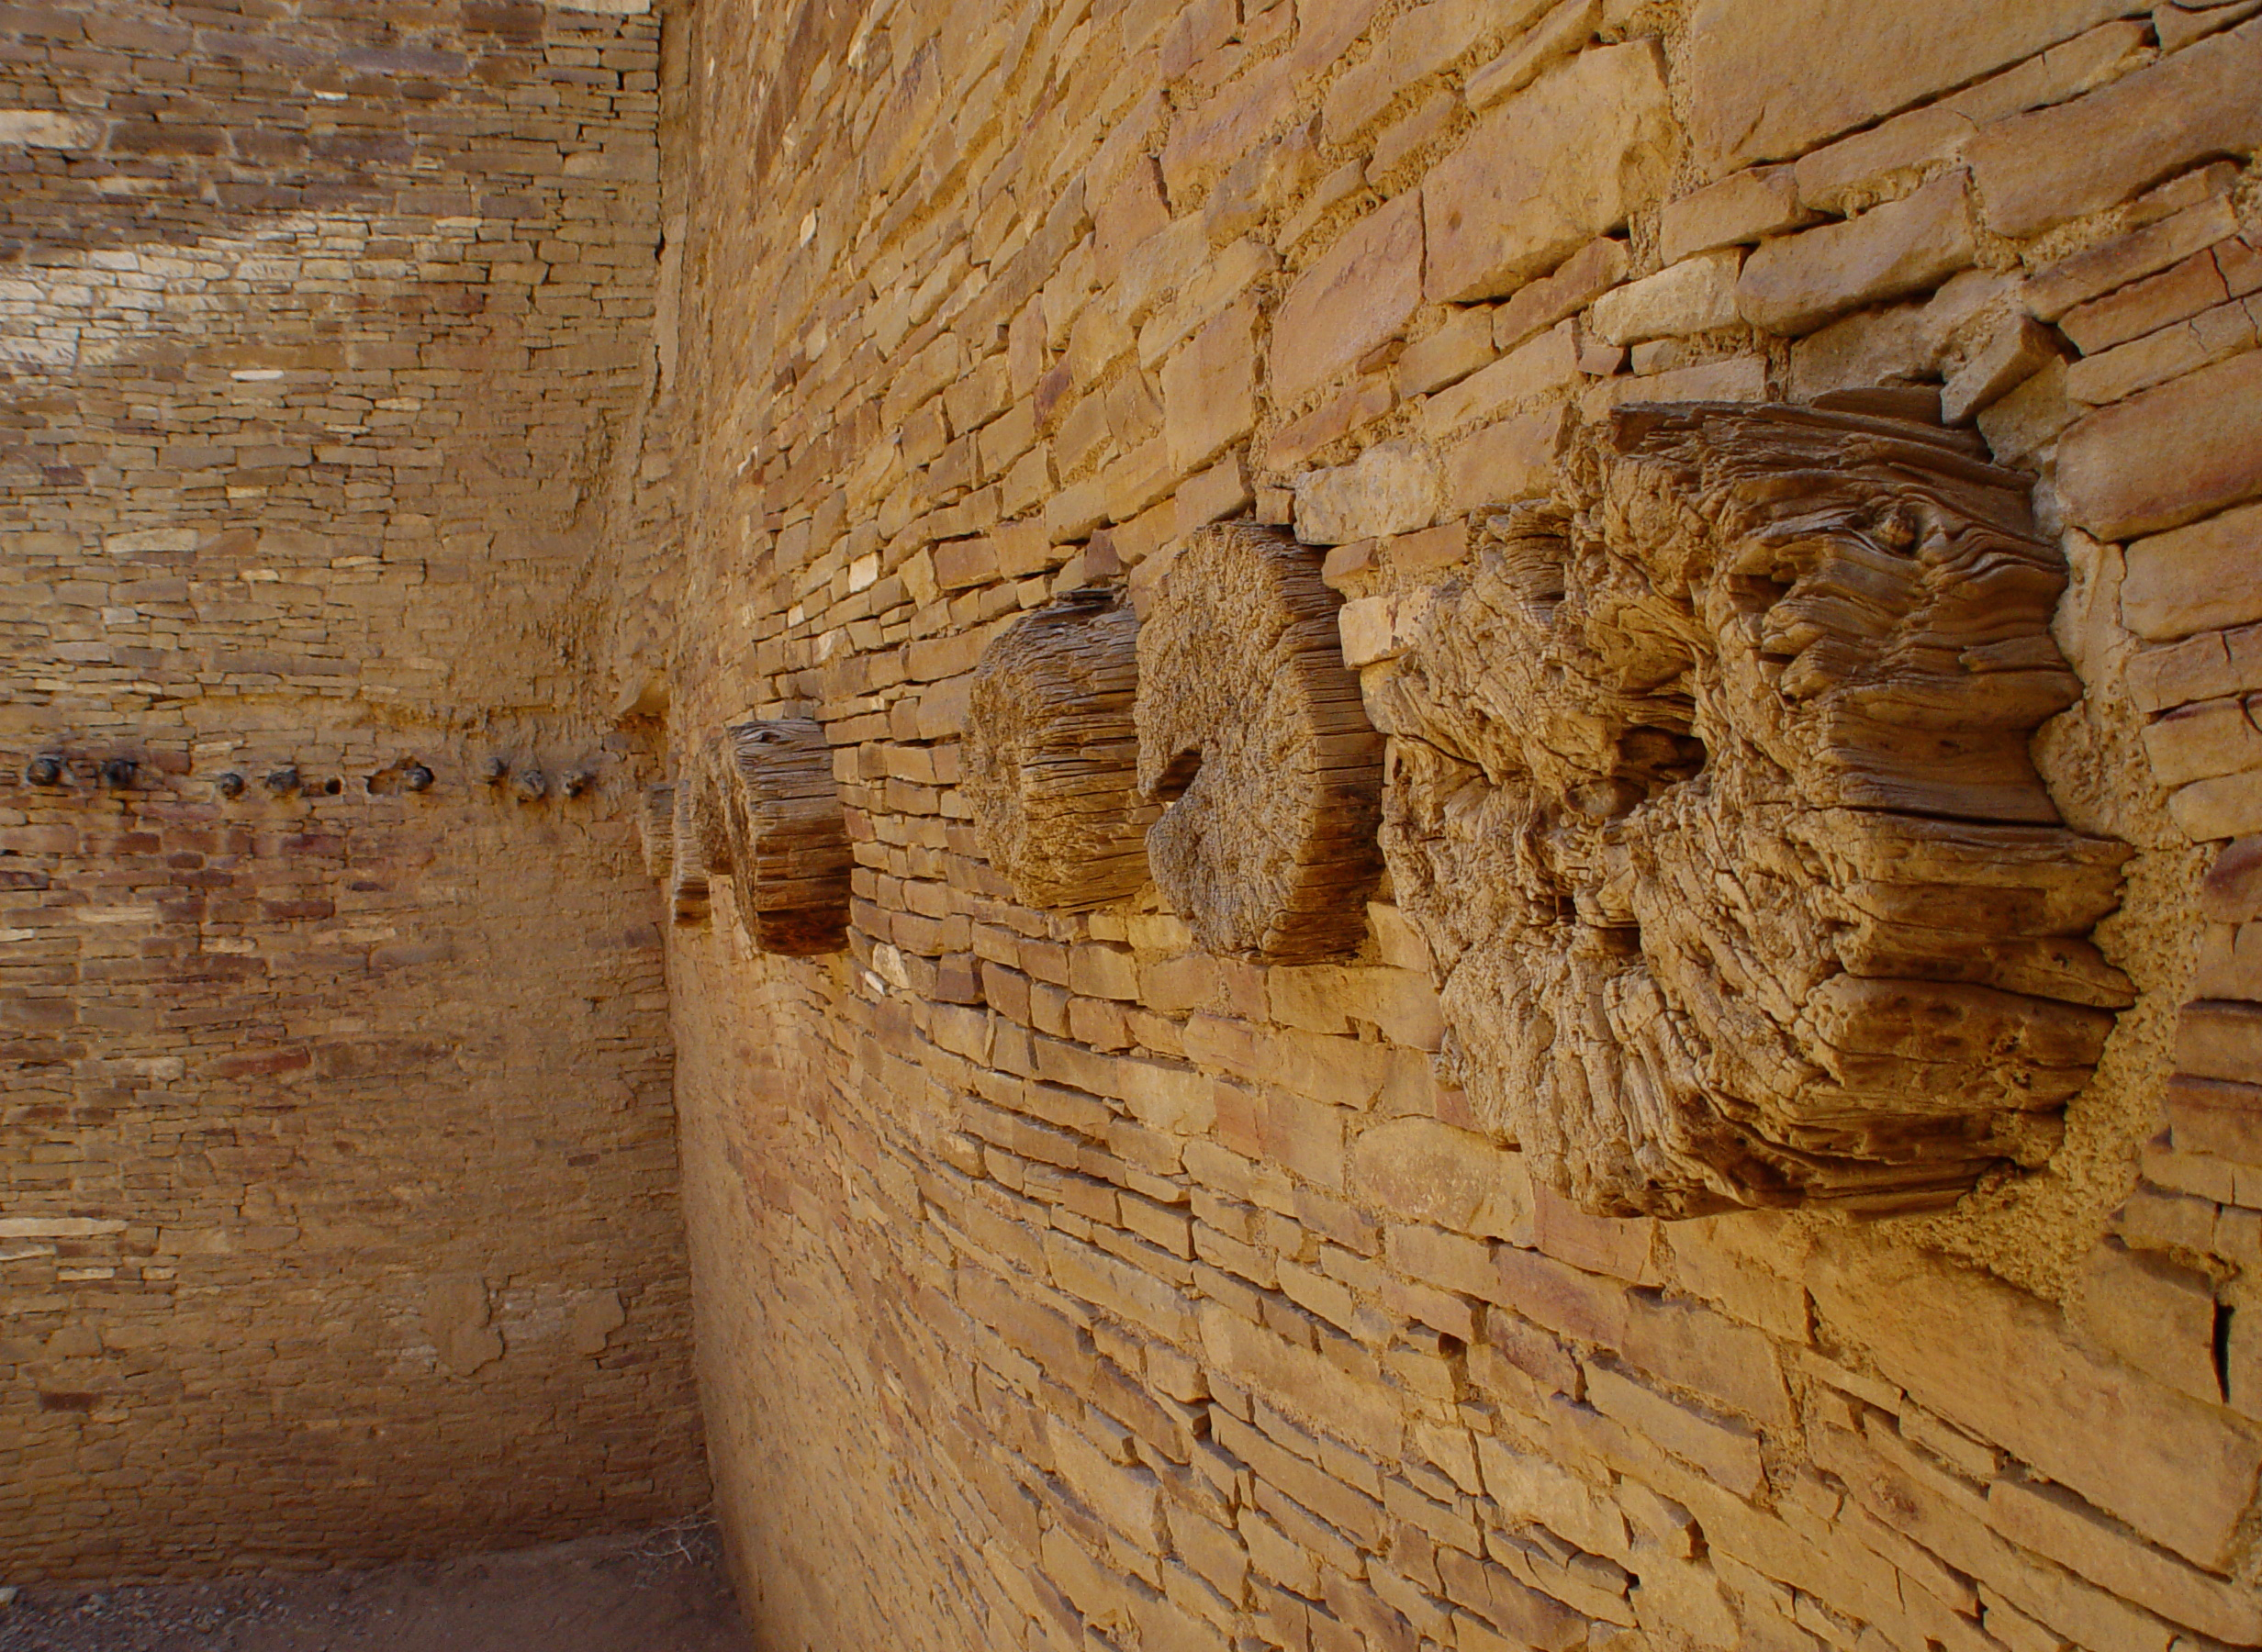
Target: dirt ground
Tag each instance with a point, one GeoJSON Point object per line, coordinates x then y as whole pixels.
{"type": "Point", "coordinates": [659, 1591]}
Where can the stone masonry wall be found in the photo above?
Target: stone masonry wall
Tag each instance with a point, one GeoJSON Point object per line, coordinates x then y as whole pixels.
{"type": "Point", "coordinates": [1062, 1285]}
{"type": "Point", "coordinates": [337, 1211]}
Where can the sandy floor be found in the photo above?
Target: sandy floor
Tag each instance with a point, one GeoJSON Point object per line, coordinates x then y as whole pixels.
{"type": "Point", "coordinates": [659, 1592]}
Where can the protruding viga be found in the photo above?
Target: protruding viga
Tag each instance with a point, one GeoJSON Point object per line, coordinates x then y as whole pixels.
{"type": "Point", "coordinates": [655, 824]}
{"type": "Point", "coordinates": [1050, 758]}
{"type": "Point", "coordinates": [1251, 730]}
{"type": "Point", "coordinates": [1709, 790]}
{"type": "Point", "coordinates": [698, 846]}
{"type": "Point", "coordinates": [757, 804]}
{"type": "Point", "coordinates": [786, 833]}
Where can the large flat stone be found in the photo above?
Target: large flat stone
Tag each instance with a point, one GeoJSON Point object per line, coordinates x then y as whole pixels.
{"type": "Point", "coordinates": [2198, 578]}
{"type": "Point", "coordinates": [1795, 283]}
{"type": "Point", "coordinates": [2167, 456]}
{"type": "Point", "coordinates": [1764, 201]}
{"type": "Point", "coordinates": [45, 128]}
{"type": "Point", "coordinates": [1209, 389]}
{"type": "Point", "coordinates": [1694, 296]}
{"type": "Point", "coordinates": [1390, 488]}
{"type": "Point", "coordinates": [2004, 1366]}
{"type": "Point", "coordinates": [1555, 166]}
{"type": "Point", "coordinates": [1356, 296]}
{"type": "Point", "coordinates": [1868, 165]}
{"type": "Point", "coordinates": [1501, 463]}
{"type": "Point", "coordinates": [1209, 137]}
{"type": "Point", "coordinates": [1768, 81]}
{"type": "Point", "coordinates": [1594, 268]}
{"type": "Point", "coordinates": [2040, 169]}
{"type": "Point", "coordinates": [1533, 369]}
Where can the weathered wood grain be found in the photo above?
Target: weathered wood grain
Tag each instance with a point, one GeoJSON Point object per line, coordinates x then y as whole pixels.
{"type": "Point", "coordinates": [655, 827]}
{"type": "Point", "coordinates": [786, 834]}
{"type": "Point", "coordinates": [1708, 787]}
{"type": "Point", "coordinates": [1050, 755]}
{"type": "Point", "coordinates": [1251, 731]}
{"type": "Point", "coordinates": [699, 846]}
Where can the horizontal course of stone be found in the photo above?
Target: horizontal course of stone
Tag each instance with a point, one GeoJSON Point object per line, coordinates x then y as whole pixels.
{"type": "Point", "coordinates": [338, 1214]}
{"type": "Point", "coordinates": [1065, 1285]}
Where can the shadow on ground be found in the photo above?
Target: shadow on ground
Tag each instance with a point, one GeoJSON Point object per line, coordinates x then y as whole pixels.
{"type": "Point", "coordinates": [661, 1592]}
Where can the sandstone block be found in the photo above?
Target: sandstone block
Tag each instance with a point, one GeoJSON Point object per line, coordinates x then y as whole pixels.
{"type": "Point", "coordinates": [1419, 1169]}
{"type": "Point", "coordinates": [1218, 493]}
{"type": "Point", "coordinates": [2026, 421]}
{"type": "Point", "coordinates": [2159, 1316]}
{"type": "Point", "coordinates": [1332, 999]}
{"type": "Point", "coordinates": [1390, 488]}
{"type": "Point", "coordinates": [2196, 740]}
{"type": "Point", "coordinates": [1878, 161]}
{"type": "Point", "coordinates": [2232, 890]}
{"type": "Point", "coordinates": [1533, 369]}
{"type": "Point", "coordinates": [1565, 28]}
{"type": "Point", "coordinates": [1127, 1498]}
{"type": "Point", "coordinates": [1726, 1451]}
{"type": "Point", "coordinates": [1374, 629]}
{"type": "Point", "coordinates": [2222, 805]}
{"type": "Point", "coordinates": [1450, 1262]}
{"type": "Point", "coordinates": [1560, 163]}
{"type": "Point", "coordinates": [1594, 268]}
{"type": "Point", "coordinates": [1530, 1621]}
{"type": "Point", "coordinates": [2052, 1521]}
{"type": "Point", "coordinates": [1209, 138]}
{"type": "Point", "coordinates": [2002, 1365]}
{"type": "Point", "coordinates": [1528, 1487]}
{"type": "Point", "coordinates": [1300, 1383]}
{"type": "Point", "coordinates": [2223, 330]}
{"type": "Point", "coordinates": [1909, 1491]}
{"type": "Point", "coordinates": [1605, 1244]}
{"type": "Point", "coordinates": [1416, 43]}
{"type": "Point", "coordinates": [1365, 401]}
{"type": "Point", "coordinates": [2221, 1039]}
{"type": "Point", "coordinates": [1200, 30]}
{"type": "Point", "coordinates": [2052, 291]}
{"type": "Point", "coordinates": [1326, 27]}
{"type": "Point", "coordinates": [2167, 455]}
{"type": "Point", "coordinates": [1738, 1261]}
{"type": "Point", "coordinates": [1694, 296]}
{"type": "Point", "coordinates": [1260, 185]}
{"type": "Point", "coordinates": [2040, 169]}
{"type": "Point", "coordinates": [1733, 379]}
{"type": "Point", "coordinates": [1209, 389]}
{"type": "Point", "coordinates": [1794, 285]}
{"type": "Point", "coordinates": [1513, 459]}
{"type": "Point", "coordinates": [1456, 350]}
{"type": "Point", "coordinates": [2006, 361]}
{"type": "Point", "coordinates": [2197, 578]}
{"type": "Point", "coordinates": [1566, 1299]}
{"type": "Point", "coordinates": [1768, 82]}
{"type": "Point", "coordinates": [1355, 297]}
{"type": "Point", "coordinates": [2176, 294]}
{"type": "Point", "coordinates": [47, 128]}
{"type": "Point", "coordinates": [1692, 1348]}
{"type": "Point", "coordinates": [1204, 293]}
{"type": "Point", "coordinates": [1898, 344]}
{"type": "Point", "coordinates": [1126, 216]}
{"type": "Point", "coordinates": [1739, 209]}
